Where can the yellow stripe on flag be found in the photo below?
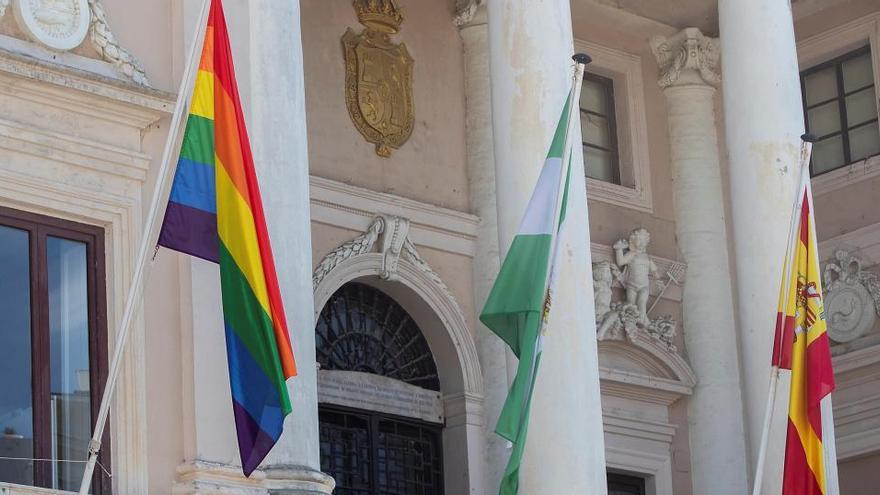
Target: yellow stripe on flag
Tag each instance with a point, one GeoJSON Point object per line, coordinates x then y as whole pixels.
{"type": "Point", "coordinates": [235, 226]}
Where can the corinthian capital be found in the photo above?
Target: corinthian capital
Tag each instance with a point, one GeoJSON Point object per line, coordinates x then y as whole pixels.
{"type": "Point", "coordinates": [469, 11]}
{"type": "Point", "coordinates": [687, 58]}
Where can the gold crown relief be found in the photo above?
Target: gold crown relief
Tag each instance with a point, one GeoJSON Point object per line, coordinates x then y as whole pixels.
{"type": "Point", "coordinates": [382, 15]}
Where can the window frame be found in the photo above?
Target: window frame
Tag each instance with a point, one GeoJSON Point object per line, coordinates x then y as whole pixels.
{"type": "Point", "coordinates": [828, 44]}
{"type": "Point", "coordinates": [837, 64]}
{"type": "Point", "coordinates": [625, 69]}
{"type": "Point", "coordinates": [607, 85]}
{"type": "Point", "coordinates": [39, 229]}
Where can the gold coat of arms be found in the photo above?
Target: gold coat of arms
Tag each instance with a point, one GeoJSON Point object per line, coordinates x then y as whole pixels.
{"type": "Point", "coordinates": [379, 77]}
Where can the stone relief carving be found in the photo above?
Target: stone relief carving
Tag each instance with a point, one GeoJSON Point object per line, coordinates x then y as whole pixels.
{"type": "Point", "coordinates": [63, 25]}
{"type": "Point", "coordinates": [57, 24]}
{"type": "Point", "coordinates": [359, 245]}
{"type": "Point", "coordinates": [687, 50]}
{"type": "Point", "coordinates": [633, 268]}
{"type": "Point", "coordinates": [379, 77]}
{"type": "Point", "coordinates": [394, 243]}
{"type": "Point", "coordinates": [466, 10]}
{"type": "Point", "coordinates": [111, 51]}
{"type": "Point", "coordinates": [852, 297]}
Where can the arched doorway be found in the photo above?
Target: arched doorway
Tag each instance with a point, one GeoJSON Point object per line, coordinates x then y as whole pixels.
{"type": "Point", "coordinates": [380, 410]}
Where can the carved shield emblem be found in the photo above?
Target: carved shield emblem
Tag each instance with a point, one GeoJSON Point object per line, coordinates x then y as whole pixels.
{"type": "Point", "coordinates": [378, 88]}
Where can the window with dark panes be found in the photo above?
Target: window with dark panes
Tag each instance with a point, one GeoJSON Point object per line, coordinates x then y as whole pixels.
{"type": "Point", "coordinates": [52, 349]}
{"type": "Point", "coordinates": [599, 128]}
{"type": "Point", "coordinates": [840, 107]}
{"type": "Point", "coordinates": [620, 484]}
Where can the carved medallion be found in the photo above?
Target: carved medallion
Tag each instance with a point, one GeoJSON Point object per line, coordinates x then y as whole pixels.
{"type": "Point", "coordinates": [57, 24]}
{"type": "Point", "coordinates": [379, 77]}
{"type": "Point", "coordinates": [852, 298]}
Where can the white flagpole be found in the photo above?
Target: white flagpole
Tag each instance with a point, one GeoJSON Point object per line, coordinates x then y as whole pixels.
{"type": "Point", "coordinates": [148, 240]}
{"type": "Point", "coordinates": [829, 439]}
{"type": "Point", "coordinates": [806, 151]}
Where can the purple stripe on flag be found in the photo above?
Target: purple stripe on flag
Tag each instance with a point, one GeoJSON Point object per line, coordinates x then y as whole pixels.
{"type": "Point", "coordinates": [253, 443]}
{"type": "Point", "coordinates": [191, 231]}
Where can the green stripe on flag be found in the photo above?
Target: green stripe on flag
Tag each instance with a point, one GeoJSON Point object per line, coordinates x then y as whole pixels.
{"type": "Point", "coordinates": [514, 309]}
{"type": "Point", "coordinates": [198, 140]}
{"type": "Point", "coordinates": [249, 320]}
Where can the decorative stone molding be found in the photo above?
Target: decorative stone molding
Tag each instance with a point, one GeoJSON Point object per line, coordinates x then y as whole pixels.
{"type": "Point", "coordinates": [635, 271]}
{"type": "Point", "coordinates": [286, 479]}
{"type": "Point", "coordinates": [64, 27]}
{"type": "Point", "coordinates": [357, 246]}
{"type": "Point", "coordinates": [105, 43]}
{"type": "Point", "coordinates": [395, 241]}
{"type": "Point", "coordinates": [689, 50]}
{"type": "Point", "coordinates": [852, 297]}
{"type": "Point", "coordinates": [467, 10]}
{"type": "Point", "coordinates": [357, 258]}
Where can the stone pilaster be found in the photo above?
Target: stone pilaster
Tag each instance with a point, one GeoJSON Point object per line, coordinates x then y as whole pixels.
{"type": "Point", "coordinates": [472, 21]}
{"type": "Point", "coordinates": [763, 123]}
{"type": "Point", "coordinates": [530, 48]}
{"type": "Point", "coordinates": [689, 65]}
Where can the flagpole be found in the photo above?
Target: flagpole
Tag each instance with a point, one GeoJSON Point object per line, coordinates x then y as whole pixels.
{"type": "Point", "coordinates": [806, 151]}
{"type": "Point", "coordinates": [581, 60]}
{"type": "Point", "coordinates": [148, 239]}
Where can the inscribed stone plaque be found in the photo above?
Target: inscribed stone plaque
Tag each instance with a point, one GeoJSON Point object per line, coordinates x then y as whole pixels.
{"type": "Point", "coordinates": [380, 394]}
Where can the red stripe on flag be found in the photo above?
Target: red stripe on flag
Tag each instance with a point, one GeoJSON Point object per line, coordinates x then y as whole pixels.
{"type": "Point", "coordinates": [797, 479]}
{"type": "Point", "coordinates": [225, 74]}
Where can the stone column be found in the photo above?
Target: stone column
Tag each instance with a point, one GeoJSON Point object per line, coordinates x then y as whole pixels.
{"type": "Point", "coordinates": [280, 146]}
{"type": "Point", "coordinates": [763, 122]}
{"type": "Point", "coordinates": [688, 75]}
{"type": "Point", "coordinates": [474, 30]}
{"type": "Point", "coordinates": [530, 48]}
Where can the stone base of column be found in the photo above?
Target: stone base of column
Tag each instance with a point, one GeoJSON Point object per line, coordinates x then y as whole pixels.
{"type": "Point", "coordinates": [298, 480]}
{"type": "Point", "coordinates": [202, 477]}
{"type": "Point", "coordinates": [205, 477]}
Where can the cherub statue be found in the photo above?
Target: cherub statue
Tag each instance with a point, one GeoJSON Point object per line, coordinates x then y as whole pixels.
{"type": "Point", "coordinates": [638, 270]}
{"type": "Point", "coordinates": [603, 277]}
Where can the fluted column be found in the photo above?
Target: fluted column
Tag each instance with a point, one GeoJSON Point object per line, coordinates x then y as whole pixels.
{"type": "Point", "coordinates": [474, 30]}
{"type": "Point", "coordinates": [530, 48]}
{"type": "Point", "coordinates": [688, 75]}
{"type": "Point", "coordinates": [763, 123]}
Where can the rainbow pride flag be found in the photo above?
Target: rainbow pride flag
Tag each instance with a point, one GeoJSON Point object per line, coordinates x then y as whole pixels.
{"type": "Point", "coordinates": [215, 213]}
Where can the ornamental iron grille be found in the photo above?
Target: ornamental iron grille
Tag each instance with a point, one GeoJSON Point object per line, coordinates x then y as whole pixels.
{"type": "Point", "coordinates": [378, 454]}
{"type": "Point", "coordinates": [363, 329]}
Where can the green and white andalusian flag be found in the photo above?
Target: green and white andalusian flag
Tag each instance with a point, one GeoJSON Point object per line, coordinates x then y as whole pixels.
{"type": "Point", "coordinates": [518, 306]}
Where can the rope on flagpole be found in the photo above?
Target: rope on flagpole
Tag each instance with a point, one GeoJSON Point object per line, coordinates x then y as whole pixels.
{"type": "Point", "coordinates": [135, 289]}
{"type": "Point", "coordinates": [806, 151]}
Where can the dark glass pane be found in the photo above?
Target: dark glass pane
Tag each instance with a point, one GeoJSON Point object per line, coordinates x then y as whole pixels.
{"type": "Point", "coordinates": [828, 155]}
{"type": "Point", "coordinates": [594, 97]}
{"type": "Point", "coordinates": [16, 413]}
{"type": "Point", "coordinates": [821, 86]}
{"type": "Point", "coordinates": [861, 107]}
{"type": "Point", "coordinates": [858, 72]}
{"type": "Point", "coordinates": [70, 407]}
{"type": "Point", "coordinates": [864, 141]}
{"type": "Point", "coordinates": [596, 130]}
{"type": "Point", "coordinates": [824, 119]}
{"type": "Point", "coordinates": [600, 165]}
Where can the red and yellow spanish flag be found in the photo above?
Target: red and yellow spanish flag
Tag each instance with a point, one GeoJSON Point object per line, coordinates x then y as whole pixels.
{"type": "Point", "coordinates": [802, 346]}
{"type": "Point", "coordinates": [215, 213]}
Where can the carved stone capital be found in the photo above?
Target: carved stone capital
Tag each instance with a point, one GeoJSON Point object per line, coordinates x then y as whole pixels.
{"type": "Point", "coordinates": [688, 57]}
{"type": "Point", "coordinates": [469, 12]}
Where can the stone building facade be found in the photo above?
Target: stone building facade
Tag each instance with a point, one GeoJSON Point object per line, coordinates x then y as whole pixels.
{"type": "Point", "coordinates": [387, 241]}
